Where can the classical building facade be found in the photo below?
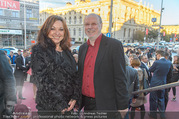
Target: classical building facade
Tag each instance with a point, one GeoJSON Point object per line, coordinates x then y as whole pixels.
{"type": "Point", "coordinates": [128, 16]}
{"type": "Point", "coordinates": [171, 29]}
{"type": "Point", "coordinates": [14, 23]}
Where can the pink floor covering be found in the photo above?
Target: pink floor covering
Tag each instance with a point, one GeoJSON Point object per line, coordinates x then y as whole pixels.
{"type": "Point", "coordinates": [173, 107]}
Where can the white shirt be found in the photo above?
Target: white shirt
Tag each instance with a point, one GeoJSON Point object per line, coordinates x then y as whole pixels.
{"type": "Point", "coordinates": [23, 60]}
{"type": "Point", "coordinates": [145, 64]}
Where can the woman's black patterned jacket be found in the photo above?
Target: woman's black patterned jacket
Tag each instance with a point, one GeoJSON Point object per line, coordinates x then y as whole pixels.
{"type": "Point", "coordinates": [56, 78]}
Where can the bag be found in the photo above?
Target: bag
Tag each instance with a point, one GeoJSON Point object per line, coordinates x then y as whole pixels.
{"type": "Point", "coordinates": [145, 83]}
{"type": "Point", "coordinates": [29, 72]}
{"type": "Point", "coordinates": [131, 88]}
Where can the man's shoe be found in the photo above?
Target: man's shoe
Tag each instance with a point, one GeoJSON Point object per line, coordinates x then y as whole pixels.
{"type": "Point", "coordinates": [22, 98]}
{"type": "Point", "coordinates": [151, 117]}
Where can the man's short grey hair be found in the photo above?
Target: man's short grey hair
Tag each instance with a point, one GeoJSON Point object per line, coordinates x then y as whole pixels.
{"type": "Point", "coordinates": [93, 14]}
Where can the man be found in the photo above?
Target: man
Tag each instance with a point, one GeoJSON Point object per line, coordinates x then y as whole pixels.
{"type": "Point", "coordinates": [160, 69]}
{"type": "Point", "coordinates": [7, 87]}
{"type": "Point", "coordinates": [20, 73]}
{"type": "Point", "coordinates": [169, 77]}
{"type": "Point", "coordinates": [12, 57]}
{"type": "Point", "coordinates": [144, 64]}
{"type": "Point", "coordinates": [7, 57]}
{"type": "Point", "coordinates": [102, 69]}
{"type": "Point", "coordinates": [18, 54]}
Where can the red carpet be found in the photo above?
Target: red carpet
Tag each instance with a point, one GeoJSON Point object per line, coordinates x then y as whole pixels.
{"type": "Point", "coordinates": [171, 112]}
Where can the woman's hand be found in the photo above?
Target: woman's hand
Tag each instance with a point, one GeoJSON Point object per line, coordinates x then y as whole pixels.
{"type": "Point", "coordinates": [133, 100]}
{"type": "Point", "coordinates": [71, 104]}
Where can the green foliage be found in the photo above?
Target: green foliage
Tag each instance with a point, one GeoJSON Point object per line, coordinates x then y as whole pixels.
{"type": "Point", "coordinates": [139, 35]}
{"type": "Point", "coordinates": [153, 34]}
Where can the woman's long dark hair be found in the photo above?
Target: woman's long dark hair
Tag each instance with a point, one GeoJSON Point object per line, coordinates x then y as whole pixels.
{"type": "Point", "coordinates": [45, 41]}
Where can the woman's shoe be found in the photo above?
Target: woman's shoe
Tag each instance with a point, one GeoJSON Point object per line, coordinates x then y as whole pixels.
{"type": "Point", "coordinates": [174, 99]}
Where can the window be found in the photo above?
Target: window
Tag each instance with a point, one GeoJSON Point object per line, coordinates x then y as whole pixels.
{"type": "Point", "coordinates": [129, 32]}
{"type": "Point", "coordinates": [74, 32]}
{"type": "Point", "coordinates": [79, 31]}
{"type": "Point", "coordinates": [29, 13]}
{"type": "Point", "coordinates": [69, 20]}
{"type": "Point", "coordinates": [15, 14]}
{"type": "Point", "coordinates": [19, 42]}
{"type": "Point", "coordinates": [69, 30]}
{"type": "Point", "coordinates": [124, 31]}
{"type": "Point", "coordinates": [80, 20]}
{"type": "Point", "coordinates": [75, 20]}
{"type": "Point", "coordinates": [1, 12]}
{"type": "Point", "coordinates": [133, 31]}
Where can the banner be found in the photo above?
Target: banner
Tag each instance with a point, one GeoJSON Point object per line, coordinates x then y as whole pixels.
{"type": "Point", "coordinates": [10, 4]}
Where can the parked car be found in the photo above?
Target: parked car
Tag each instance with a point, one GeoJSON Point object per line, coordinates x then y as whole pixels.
{"type": "Point", "coordinates": [8, 51]}
{"type": "Point", "coordinates": [13, 49]}
{"type": "Point", "coordinates": [175, 49]}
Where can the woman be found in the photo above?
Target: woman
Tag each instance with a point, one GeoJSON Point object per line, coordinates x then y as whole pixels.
{"type": "Point", "coordinates": [141, 100]}
{"type": "Point", "coordinates": [175, 76]}
{"type": "Point", "coordinates": [54, 68]}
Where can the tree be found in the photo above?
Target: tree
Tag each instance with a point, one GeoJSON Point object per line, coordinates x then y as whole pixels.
{"type": "Point", "coordinates": [139, 35]}
{"type": "Point", "coordinates": [153, 34]}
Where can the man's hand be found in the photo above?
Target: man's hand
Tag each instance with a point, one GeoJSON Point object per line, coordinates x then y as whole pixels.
{"type": "Point", "coordinates": [71, 104]}
{"type": "Point", "coordinates": [123, 112]}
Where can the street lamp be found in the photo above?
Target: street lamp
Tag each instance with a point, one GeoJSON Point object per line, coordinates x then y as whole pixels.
{"type": "Point", "coordinates": [25, 40]}
{"type": "Point", "coordinates": [160, 25]}
{"type": "Point", "coordinates": [110, 18]}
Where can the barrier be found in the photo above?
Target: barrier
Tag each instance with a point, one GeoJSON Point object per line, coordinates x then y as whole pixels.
{"type": "Point", "coordinates": [170, 85]}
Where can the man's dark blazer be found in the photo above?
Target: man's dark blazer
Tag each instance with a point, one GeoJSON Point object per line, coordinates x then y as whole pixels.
{"type": "Point", "coordinates": [110, 82]}
{"type": "Point", "coordinates": [20, 71]}
{"type": "Point", "coordinates": [7, 83]}
{"type": "Point", "coordinates": [148, 72]}
{"type": "Point", "coordinates": [160, 69]}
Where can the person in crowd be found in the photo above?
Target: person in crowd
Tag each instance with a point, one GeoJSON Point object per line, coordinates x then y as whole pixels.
{"type": "Point", "coordinates": [20, 74]}
{"type": "Point", "coordinates": [131, 57]}
{"type": "Point", "coordinates": [7, 87]}
{"type": "Point", "coordinates": [19, 53]}
{"type": "Point", "coordinates": [144, 64]}
{"type": "Point", "coordinates": [175, 76]}
{"type": "Point", "coordinates": [169, 76]}
{"type": "Point", "coordinates": [7, 57]}
{"type": "Point", "coordinates": [128, 50]}
{"type": "Point", "coordinates": [102, 70]}
{"type": "Point", "coordinates": [160, 69]}
{"type": "Point", "coordinates": [138, 55]}
{"type": "Point", "coordinates": [170, 55]}
{"type": "Point", "coordinates": [132, 76]}
{"type": "Point", "coordinates": [141, 100]}
{"type": "Point", "coordinates": [12, 57]}
{"type": "Point", "coordinates": [54, 68]}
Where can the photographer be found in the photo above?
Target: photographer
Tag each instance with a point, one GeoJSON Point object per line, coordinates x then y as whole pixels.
{"type": "Point", "coordinates": [7, 87]}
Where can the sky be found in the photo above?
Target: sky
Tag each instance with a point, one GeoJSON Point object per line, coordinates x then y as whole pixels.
{"type": "Point", "coordinates": [170, 14]}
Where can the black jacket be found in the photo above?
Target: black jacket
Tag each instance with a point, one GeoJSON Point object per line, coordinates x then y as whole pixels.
{"type": "Point", "coordinates": [55, 77]}
{"type": "Point", "coordinates": [20, 71]}
{"type": "Point", "coordinates": [7, 83]}
{"type": "Point", "coordinates": [110, 82]}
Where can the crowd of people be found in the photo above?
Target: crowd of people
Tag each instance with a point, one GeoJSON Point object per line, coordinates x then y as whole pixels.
{"type": "Point", "coordinates": [96, 78]}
